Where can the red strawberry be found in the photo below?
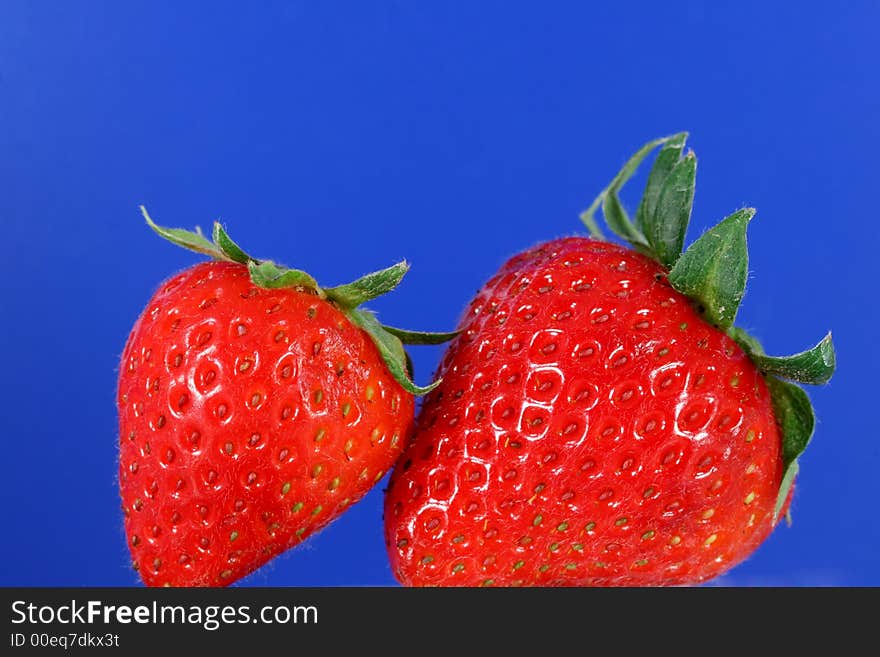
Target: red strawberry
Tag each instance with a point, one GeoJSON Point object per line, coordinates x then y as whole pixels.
{"type": "Point", "coordinates": [600, 422]}
{"type": "Point", "coordinates": [254, 408]}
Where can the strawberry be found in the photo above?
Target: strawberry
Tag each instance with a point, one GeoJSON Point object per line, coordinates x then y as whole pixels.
{"type": "Point", "coordinates": [254, 408]}
{"type": "Point", "coordinates": [600, 421]}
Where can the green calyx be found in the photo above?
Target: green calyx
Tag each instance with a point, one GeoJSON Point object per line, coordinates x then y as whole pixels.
{"type": "Point", "coordinates": [712, 272]}
{"type": "Point", "coordinates": [348, 298]}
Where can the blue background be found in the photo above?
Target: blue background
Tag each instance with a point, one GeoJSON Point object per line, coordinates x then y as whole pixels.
{"type": "Point", "coordinates": [341, 137]}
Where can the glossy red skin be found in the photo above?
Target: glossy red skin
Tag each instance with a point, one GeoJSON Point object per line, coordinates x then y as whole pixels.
{"type": "Point", "coordinates": [223, 463]}
{"type": "Point", "coordinates": [591, 430]}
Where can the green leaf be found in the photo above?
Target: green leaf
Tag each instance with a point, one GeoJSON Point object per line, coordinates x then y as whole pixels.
{"type": "Point", "coordinates": [390, 348]}
{"type": "Point", "coordinates": [794, 413]}
{"type": "Point", "coordinates": [714, 269]}
{"type": "Point", "coordinates": [194, 241]}
{"type": "Point", "coordinates": [612, 209]}
{"type": "Point", "coordinates": [588, 218]}
{"type": "Point", "coordinates": [749, 343]}
{"type": "Point", "coordinates": [814, 366]}
{"type": "Point", "coordinates": [420, 337]}
{"type": "Point", "coordinates": [667, 226]}
{"type": "Point", "coordinates": [269, 275]}
{"type": "Point", "coordinates": [788, 478]}
{"type": "Point", "coordinates": [666, 159]}
{"type": "Point", "coordinates": [618, 220]}
{"type": "Point", "coordinates": [229, 248]}
{"type": "Point", "coordinates": [796, 420]}
{"type": "Point", "coordinates": [368, 287]}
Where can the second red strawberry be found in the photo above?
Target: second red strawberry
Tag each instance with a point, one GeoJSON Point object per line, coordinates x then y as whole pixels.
{"type": "Point", "coordinates": [600, 420]}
